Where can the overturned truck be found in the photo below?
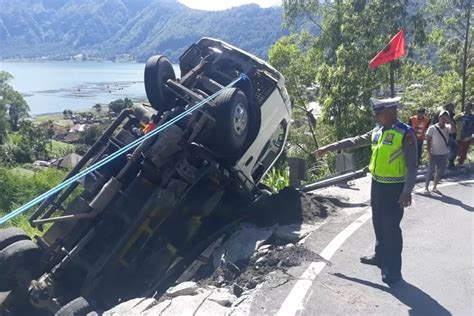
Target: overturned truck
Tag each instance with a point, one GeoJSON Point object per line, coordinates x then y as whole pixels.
{"type": "Point", "coordinates": [131, 226]}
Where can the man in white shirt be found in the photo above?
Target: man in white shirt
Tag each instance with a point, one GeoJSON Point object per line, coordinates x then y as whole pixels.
{"type": "Point", "coordinates": [437, 138]}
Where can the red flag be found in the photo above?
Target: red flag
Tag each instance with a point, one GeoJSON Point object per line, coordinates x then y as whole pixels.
{"type": "Point", "coordinates": [394, 49]}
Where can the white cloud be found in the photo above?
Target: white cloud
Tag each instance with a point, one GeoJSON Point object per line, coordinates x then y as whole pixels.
{"type": "Point", "coordinates": [215, 5]}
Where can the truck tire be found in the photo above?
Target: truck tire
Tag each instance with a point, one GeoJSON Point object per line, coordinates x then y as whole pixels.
{"type": "Point", "coordinates": [79, 306]}
{"type": "Point", "coordinates": [11, 235]}
{"type": "Point", "coordinates": [158, 70]}
{"type": "Point", "coordinates": [232, 122]}
{"type": "Point", "coordinates": [22, 255]}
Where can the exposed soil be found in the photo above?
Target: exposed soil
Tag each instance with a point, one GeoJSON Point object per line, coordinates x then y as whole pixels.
{"type": "Point", "coordinates": [256, 269]}
{"type": "Point", "coordinates": [290, 206]}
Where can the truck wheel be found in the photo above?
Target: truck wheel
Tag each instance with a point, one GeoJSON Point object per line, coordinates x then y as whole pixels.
{"type": "Point", "coordinates": [158, 70]}
{"type": "Point", "coordinates": [77, 307]}
{"type": "Point", "coordinates": [11, 235]}
{"type": "Point", "coordinates": [18, 260]}
{"type": "Point", "coordinates": [232, 122]}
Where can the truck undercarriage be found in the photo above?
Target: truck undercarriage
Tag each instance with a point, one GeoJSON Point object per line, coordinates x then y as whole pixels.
{"type": "Point", "coordinates": [131, 226]}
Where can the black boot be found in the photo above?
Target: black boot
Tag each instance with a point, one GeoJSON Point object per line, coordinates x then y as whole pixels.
{"type": "Point", "coordinates": [372, 260]}
{"type": "Point", "coordinates": [390, 278]}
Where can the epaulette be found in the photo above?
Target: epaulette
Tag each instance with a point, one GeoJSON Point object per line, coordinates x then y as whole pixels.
{"type": "Point", "coordinates": [402, 127]}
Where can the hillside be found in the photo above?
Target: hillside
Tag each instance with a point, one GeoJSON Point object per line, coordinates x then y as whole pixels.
{"type": "Point", "coordinates": [57, 29]}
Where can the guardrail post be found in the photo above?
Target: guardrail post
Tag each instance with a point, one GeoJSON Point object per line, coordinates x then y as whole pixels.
{"type": "Point", "coordinates": [297, 171]}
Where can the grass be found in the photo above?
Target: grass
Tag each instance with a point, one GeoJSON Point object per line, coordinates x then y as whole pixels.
{"type": "Point", "coordinates": [277, 179]}
{"type": "Point", "coordinates": [59, 149]}
{"type": "Point", "coordinates": [57, 118]}
{"type": "Point", "coordinates": [18, 186]}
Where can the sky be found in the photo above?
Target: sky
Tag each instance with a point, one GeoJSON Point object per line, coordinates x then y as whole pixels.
{"type": "Point", "coordinates": [214, 5]}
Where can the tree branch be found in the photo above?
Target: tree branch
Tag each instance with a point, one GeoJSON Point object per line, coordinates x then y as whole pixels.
{"type": "Point", "coordinates": [299, 146]}
{"type": "Point", "coordinates": [308, 15]}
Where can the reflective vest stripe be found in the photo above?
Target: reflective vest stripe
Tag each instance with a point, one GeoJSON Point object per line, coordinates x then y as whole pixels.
{"type": "Point", "coordinates": [388, 179]}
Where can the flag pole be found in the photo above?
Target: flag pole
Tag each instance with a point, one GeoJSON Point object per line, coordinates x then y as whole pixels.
{"type": "Point", "coordinates": [392, 80]}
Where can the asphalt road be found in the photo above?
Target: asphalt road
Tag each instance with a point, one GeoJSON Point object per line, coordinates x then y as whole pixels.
{"type": "Point", "coordinates": [438, 267]}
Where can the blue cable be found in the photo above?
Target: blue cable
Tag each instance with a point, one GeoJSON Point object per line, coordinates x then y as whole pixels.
{"type": "Point", "coordinates": [114, 155]}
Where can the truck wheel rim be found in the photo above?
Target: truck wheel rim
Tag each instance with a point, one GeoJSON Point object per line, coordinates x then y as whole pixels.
{"type": "Point", "coordinates": [240, 119]}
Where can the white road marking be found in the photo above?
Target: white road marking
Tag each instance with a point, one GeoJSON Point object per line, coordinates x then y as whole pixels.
{"type": "Point", "coordinates": [294, 302]}
{"type": "Point", "coordinates": [447, 184]}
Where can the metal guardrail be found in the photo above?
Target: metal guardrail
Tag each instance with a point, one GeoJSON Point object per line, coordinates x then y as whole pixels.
{"type": "Point", "coordinates": [334, 180]}
{"type": "Point", "coordinates": [363, 172]}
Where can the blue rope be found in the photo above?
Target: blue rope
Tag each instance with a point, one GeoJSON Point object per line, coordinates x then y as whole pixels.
{"type": "Point", "coordinates": [106, 160]}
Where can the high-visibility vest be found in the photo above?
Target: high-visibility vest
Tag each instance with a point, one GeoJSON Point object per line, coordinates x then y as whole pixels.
{"type": "Point", "coordinates": [420, 126]}
{"type": "Point", "coordinates": [387, 163]}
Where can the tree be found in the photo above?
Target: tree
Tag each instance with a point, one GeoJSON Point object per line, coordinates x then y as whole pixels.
{"type": "Point", "coordinates": [336, 59]}
{"type": "Point", "coordinates": [32, 143]}
{"type": "Point", "coordinates": [98, 108]}
{"type": "Point", "coordinates": [117, 106]}
{"type": "Point", "coordinates": [11, 103]}
{"type": "Point", "coordinates": [4, 78]}
{"type": "Point", "coordinates": [451, 39]}
{"type": "Point", "coordinates": [91, 135]}
{"type": "Point", "coordinates": [16, 106]}
{"type": "Point", "coordinates": [128, 103]}
{"type": "Point", "coordinates": [298, 69]}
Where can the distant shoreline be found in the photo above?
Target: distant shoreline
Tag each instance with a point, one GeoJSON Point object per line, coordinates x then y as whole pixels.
{"type": "Point", "coordinates": [40, 60]}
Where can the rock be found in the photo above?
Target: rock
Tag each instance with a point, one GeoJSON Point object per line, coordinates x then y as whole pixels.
{"type": "Point", "coordinates": [201, 261]}
{"type": "Point", "coordinates": [264, 247]}
{"type": "Point", "coordinates": [144, 305]}
{"type": "Point", "coordinates": [242, 244]}
{"type": "Point", "coordinates": [211, 308]}
{"type": "Point", "coordinates": [125, 307]}
{"type": "Point", "coordinates": [233, 268]}
{"type": "Point", "coordinates": [185, 288]}
{"type": "Point", "coordinates": [135, 306]}
{"type": "Point", "coordinates": [220, 280]}
{"type": "Point", "coordinates": [223, 297]}
{"type": "Point", "coordinates": [290, 245]}
{"type": "Point", "coordinates": [237, 290]}
{"type": "Point", "coordinates": [260, 260]}
{"type": "Point", "coordinates": [250, 284]}
{"type": "Point", "coordinates": [158, 309]}
{"type": "Point", "coordinates": [294, 232]}
{"type": "Point", "coordinates": [181, 305]}
{"type": "Point", "coordinates": [262, 252]}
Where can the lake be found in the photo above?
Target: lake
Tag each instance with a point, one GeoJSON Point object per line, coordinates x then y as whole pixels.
{"type": "Point", "coordinates": [55, 86]}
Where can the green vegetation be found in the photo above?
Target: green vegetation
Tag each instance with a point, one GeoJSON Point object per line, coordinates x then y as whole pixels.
{"type": "Point", "coordinates": [277, 179]}
{"type": "Point", "coordinates": [58, 149]}
{"type": "Point", "coordinates": [18, 186]}
{"type": "Point", "coordinates": [120, 104]}
{"type": "Point", "coordinates": [129, 30]}
{"type": "Point", "coordinates": [326, 66]}
{"type": "Point", "coordinates": [334, 64]}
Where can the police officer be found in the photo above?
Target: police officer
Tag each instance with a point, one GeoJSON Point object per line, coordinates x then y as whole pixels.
{"type": "Point", "coordinates": [393, 166]}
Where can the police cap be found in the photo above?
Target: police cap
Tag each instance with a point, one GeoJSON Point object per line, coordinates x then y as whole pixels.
{"type": "Point", "coordinates": [379, 104]}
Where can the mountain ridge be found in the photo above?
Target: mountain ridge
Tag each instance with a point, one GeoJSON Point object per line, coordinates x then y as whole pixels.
{"type": "Point", "coordinates": [134, 29]}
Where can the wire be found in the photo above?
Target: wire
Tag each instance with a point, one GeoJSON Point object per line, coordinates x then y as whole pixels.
{"type": "Point", "coordinates": [119, 152]}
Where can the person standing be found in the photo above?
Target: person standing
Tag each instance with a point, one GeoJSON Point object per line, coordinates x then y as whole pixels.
{"type": "Point", "coordinates": [452, 143]}
{"type": "Point", "coordinates": [419, 123]}
{"type": "Point", "coordinates": [438, 149]}
{"type": "Point", "coordinates": [393, 165]}
{"type": "Point", "coordinates": [465, 132]}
